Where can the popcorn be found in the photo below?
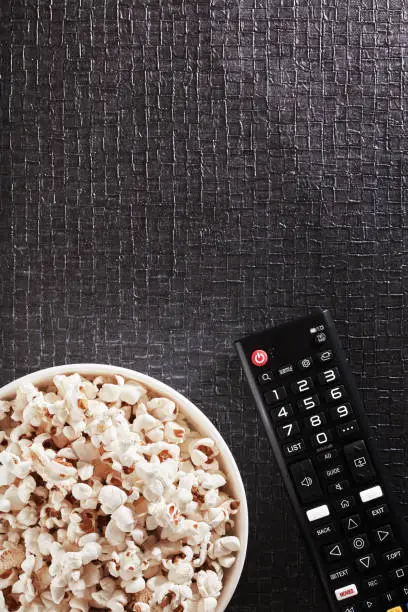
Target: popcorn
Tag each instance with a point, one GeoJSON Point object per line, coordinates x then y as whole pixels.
{"type": "Point", "coordinates": [111, 498]}
{"type": "Point", "coordinates": [131, 392]}
{"type": "Point", "coordinates": [208, 583]}
{"type": "Point", "coordinates": [81, 491]}
{"type": "Point", "coordinates": [124, 519]}
{"type": "Point", "coordinates": [109, 501]}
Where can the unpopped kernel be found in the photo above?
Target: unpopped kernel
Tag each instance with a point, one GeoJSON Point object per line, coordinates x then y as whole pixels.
{"type": "Point", "coordinates": [109, 500]}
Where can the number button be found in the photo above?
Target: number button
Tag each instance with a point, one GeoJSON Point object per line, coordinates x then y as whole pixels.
{"type": "Point", "coordinates": [335, 394]}
{"type": "Point", "coordinates": [337, 413]}
{"type": "Point", "coordinates": [321, 438]}
{"type": "Point", "coordinates": [308, 403]}
{"type": "Point", "coordinates": [281, 413]}
{"type": "Point", "coordinates": [328, 376]}
{"type": "Point", "coordinates": [289, 430]}
{"type": "Point", "coordinates": [275, 395]}
{"type": "Point", "coordinates": [317, 420]}
{"type": "Point", "coordinates": [303, 385]}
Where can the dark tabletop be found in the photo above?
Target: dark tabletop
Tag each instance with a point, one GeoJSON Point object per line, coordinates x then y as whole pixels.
{"type": "Point", "coordinates": [178, 173]}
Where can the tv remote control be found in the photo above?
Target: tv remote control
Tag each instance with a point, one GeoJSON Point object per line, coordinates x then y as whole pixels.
{"type": "Point", "coordinates": [315, 422]}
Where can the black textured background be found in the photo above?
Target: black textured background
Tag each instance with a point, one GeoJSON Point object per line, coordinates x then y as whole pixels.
{"type": "Point", "coordinates": [176, 173]}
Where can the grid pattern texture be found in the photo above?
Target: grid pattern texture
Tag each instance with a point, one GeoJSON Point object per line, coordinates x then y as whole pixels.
{"type": "Point", "coordinates": [178, 173]}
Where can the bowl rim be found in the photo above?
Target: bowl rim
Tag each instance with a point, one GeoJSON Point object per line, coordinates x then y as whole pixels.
{"type": "Point", "coordinates": [198, 418]}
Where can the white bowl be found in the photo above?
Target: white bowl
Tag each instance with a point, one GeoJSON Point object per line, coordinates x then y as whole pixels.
{"type": "Point", "coordinates": [196, 418]}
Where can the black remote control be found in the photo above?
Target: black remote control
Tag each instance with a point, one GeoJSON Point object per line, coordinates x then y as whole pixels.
{"type": "Point", "coordinates": [315, 422]}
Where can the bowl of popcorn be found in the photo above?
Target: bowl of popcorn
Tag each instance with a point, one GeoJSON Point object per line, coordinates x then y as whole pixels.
{"type": "Point", "coordinates": [116, 494]}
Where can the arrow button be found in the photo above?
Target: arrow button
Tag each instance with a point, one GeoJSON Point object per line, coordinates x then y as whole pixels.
{"type": "Point", "coordinates": [365, 563]}
{"type": "Point", "coordinates": [334, 552]}
{"type": "Point", "coordinates": [383, 534]}
{"type": "Point", "coordinates": [351, 523]}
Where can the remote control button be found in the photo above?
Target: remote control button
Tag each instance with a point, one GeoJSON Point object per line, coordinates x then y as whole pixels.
{"type": "Point", "coordinates": [339, 487]}
{"type": "Point", "coordinates": [384, 534]}
{"type": "Point", "coordinates": [344, 504]}
{"type": "Point", "coordinates": [340, 574]}
{"type": "Point", "coordinates": [305, 364]}
{"type": "Point", "coordinates": [347, 430]}
{"type": "Point", "coordinates": [325, 356]}
{"type": "Point", "coordinates": [345, 592]}
{"type": "Point", "coordinates": [404, 591]}
{"type": "Point", "coordinates": [328, 376]}
{"type": "Point", "coordinates": [285, 370]}
{"type": "Point", "coordinates": [309, 403]}
{"type": "Point", "coordinates": [359, 543]}
{"type": "Point", "coordinates": [389, 598]}
{"type": "Point", "coordinates": [366, 563]}
{"type": "Point", "coordinates": [327, 456]}
{"type": "Point", "coordinates": [320, 338]}
{"type": "Point", "coordinates": [400, 574]}
{"type": "Point", "coordinates": [281, 413]}
{"type": "Point", "coordinates": [344, 411]}
{"type": "Point", "coordinates": [265, 378]}
{"type": "Point", "coordinates": [294, 449]}
{"type": "Point", "coordinates": [333, 472]}
{"type": "Point", "coordinates": [334, 552]}
{"type": "Point", "coordinates": [275, 395]}
{"type": "Point", "coordinates": [335, 394]}
{"type": "Point", "coordinates": [302, 385]}
{"type": "Point", "coordinates": [317, 420]}
{"type": "Point", "coordinates": [378, 512]}
{"type": "Point", "coordinates": [350, 608]}
{"type": "Point", "coordinates": [359, 462]}
{"type": "Point", "coordinates": [315, 514]}
{"type": "Point", "coordinates": [370, 604]}
{"type": "Point", "coordinates": [369, 494]}
{"type": "Point", "coordinates": [351, 523]}
{"type": "Point", "coordinates": [325, 531]}
{"type": "Point", "coordinates": [374, 584]}
{"type": "Point", "coordinates": [306, 481]}
{"type": "Point", "coordinates": [321, 438]}
{"type": "Point", "coordinates": [289, 430]}
{"type": "Point", "coordinates": [259, 358]}
{"type": "Point", "coordinates": [393, 556]}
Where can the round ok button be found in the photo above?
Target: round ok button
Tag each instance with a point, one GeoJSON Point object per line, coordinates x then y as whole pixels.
{"type": "Point", "coordinates": [259, 357]}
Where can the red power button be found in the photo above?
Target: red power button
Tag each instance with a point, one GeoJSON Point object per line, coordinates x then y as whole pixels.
{"type": "Point", "coordinates": [259, 357]}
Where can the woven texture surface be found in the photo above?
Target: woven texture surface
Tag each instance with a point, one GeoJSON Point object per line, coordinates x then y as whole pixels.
{"type": "Point", "coordinates": [183, 172]}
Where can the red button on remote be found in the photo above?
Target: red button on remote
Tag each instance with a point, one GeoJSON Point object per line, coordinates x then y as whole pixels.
{"type": "Point", "coordinates": [259, 357]}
